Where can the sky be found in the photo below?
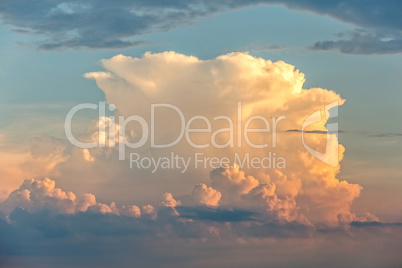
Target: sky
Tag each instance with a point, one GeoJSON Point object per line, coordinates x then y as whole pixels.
{"type": "Point", "coordinates": [308, 89]}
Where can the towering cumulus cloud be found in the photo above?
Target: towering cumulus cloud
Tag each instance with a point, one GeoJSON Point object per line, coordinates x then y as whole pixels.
{"type": "Point", "coordinates": [248, 180]}
{"type": "Point", "coordinates": [227, 91]}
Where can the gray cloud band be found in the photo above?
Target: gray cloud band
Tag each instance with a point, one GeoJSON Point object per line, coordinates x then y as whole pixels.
{"type": "Point", "coordinates": [105, 24]}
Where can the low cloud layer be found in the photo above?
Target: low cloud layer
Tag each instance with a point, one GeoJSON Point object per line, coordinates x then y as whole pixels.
{"type": "Point", "coordinates": [47, 226]}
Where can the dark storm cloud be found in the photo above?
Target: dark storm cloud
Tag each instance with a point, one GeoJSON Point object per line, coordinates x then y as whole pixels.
{"type": "Point", "coordinates": [112, 24]}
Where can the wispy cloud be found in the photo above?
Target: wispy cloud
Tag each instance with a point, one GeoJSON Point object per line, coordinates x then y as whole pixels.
{"type": "Point", "coordinates": [365, 133]}
{"type": "Point", "coordinates": [386, 135]}
{"type": "Point", "coordinates": [362, 42]}
{"type": "Point", "coordinates": [269, 48]}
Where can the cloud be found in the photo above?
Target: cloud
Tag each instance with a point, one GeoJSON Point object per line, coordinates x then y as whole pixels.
{"type": "Point", "coordinates": [386, 135]}
{"type": "Point", "coordinates": [233, 181]}
{"type": "Point", "coordinates": [169, 201]}
{"type": "Point", "coordinates": [267, 48]}
{"type": "Point", "coordinates": [370, 13]}
{"type": "Point", "coordinates": [38, 199]}
{"type": "Point", "coordinates": [98, 24]}
{"type": "Point", "coordinates": [233, 205]}
{"type": "Point", "coordinates": [148, 210]}
{"type": "Point", "coordinates": [379, 25]}
{"type": "Point", "coordinates": [36, 195]}
{"type": "Point", "coordinates": [325, 132]}
{"type": "Point", "coordinates": [216, 214]}
{"type": "Point", "coordinates": [39, 194]}
{"type": "Point", "coordinates": [46, 153]}
{"type": "Point", "coordinates": [314, 131]}
{"type": "Point", "coordinates": [248, 192]}
{"type": "Point", "coordinates": [48, 226]}
{"type": "Point", "coordinates": [364, 44]}
{"type": "Point", "coordinates": [306, 189]}
{"type": "Point", "coordinates": [101, 24]}
{"type": "Point", "coordinates": [202, 195]}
